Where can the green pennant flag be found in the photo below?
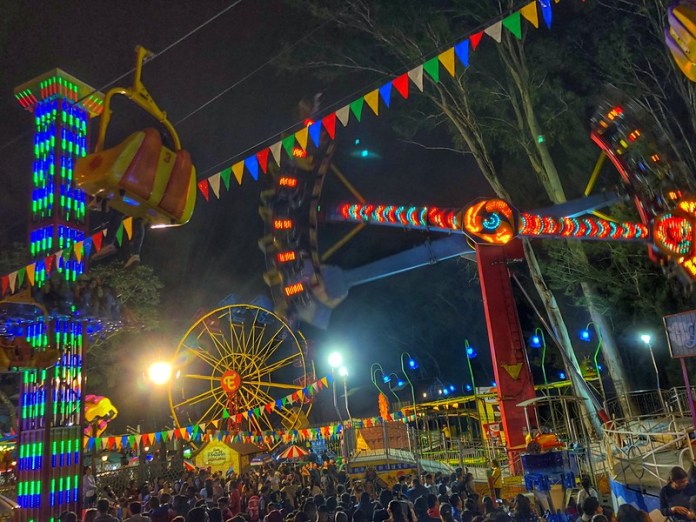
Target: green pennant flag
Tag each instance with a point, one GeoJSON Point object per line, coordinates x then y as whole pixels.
{"type": "Point", "coordinates": [131, 440]}
{"type": "Point", "coordinates": [356, 108]}
{"type": "Point", "coordinates": [513, 23]}
{"type": "Point", "coordinates": [257, 411]}
{"type": "Point", "coordinates": [284, 401]}
{"type": "Point", "coordinates": [225, 414]}
{"type": "Point", "coordinates": [225, 175]}
{"type": "Point", "coordinates": [432, 67]}
{"type": "Point", "coordinates": [20, 276]}
{"type": "Point", "coordinates": [164, 436]}
{"type": "Point", "coordinates": [289, 144]}
{"type": "Point", "coordinates": [119, 234]}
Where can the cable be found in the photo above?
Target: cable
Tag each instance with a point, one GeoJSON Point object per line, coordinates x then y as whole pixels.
{"type": "Point", "coordinates": [252, 73]}
{"type": "Point", "coordinates": [132, 69]}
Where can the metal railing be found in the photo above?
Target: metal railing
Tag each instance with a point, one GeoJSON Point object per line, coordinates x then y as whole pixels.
{"type": "Point", "coordinates": [644, 448]}
{"type": "Point", "coordinates": [650, 402]}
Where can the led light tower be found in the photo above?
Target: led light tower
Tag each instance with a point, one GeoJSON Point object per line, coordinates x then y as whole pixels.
{"type": "Point", "coordinates": [50, 413]}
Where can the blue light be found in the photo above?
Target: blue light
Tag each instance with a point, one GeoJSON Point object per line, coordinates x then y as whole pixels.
{"type": "Point", "coordinates": [357, 141]}
{"type": "Point", "coordinates": [493, 384]}
{"type": "Point", "coordinates": [470, 352]}
{"type": "Point", "coordinates": [600, 367]}
{"type": "Point", "coordinates": [585, 335]}
{"type": "Point", "coordinates": [386, 379]}
{"type": "Point", "coordinates": [445, 391]}
{"type": "Point", "coordinates": [399, 383]}
{"type": "Point", "coordinates": [451, 387]}
{"type": "Point", "coordinates": [364, 153]}
{"type": "Point", "coordinates": [562, 375]}
{"type": "Point", "coordinates": [412, 364]}
{"type": "Point", "coordinates": [468, 387]}
{"type": "Point", "coordinates": [535, 341]}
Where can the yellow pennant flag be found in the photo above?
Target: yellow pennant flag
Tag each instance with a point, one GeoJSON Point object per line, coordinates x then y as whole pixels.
{"type": "Point", "coordinates": [447, 60]}
{"type": "Point", "coordinates": [78, 249]}
{"type": "Point", "coordinates": [529, 12]}
{"type": "Point", "coordinates": [301, 137]}
{"type": "Point", "coordinates": [238, 171]}
{"type": "Point", "coordinates": [372, 100]}
{"type": "Point", "coordinates": [31, 269]}
{"type": "Point", "coordinates": [128, 226]}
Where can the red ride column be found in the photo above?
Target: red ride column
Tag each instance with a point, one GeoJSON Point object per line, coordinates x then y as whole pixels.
{"type": "Point", "coordinates": [512, 374]}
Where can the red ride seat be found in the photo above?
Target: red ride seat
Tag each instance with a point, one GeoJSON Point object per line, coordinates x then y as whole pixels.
{"type": "Point", "coordinates": [176, 193]}
{"type": "Point", "coordinates": [139, 177]}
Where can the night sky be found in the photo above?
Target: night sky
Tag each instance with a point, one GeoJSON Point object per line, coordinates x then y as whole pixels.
{"type": "Point", "coordinates": [216, 253]}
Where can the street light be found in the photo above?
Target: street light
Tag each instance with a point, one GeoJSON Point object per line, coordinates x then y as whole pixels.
{"type": "Point", "coordinates": [160, 372]}
{"type": "Point", "coordinates": [407, 361]}
{"type": "Point", "coordinates": [539, 341]}
{"type": "Point", "coordinates": [335, 361]}
{"type": "Point", "coordinates": [587, 337]}
{"type": "Point", "coordinates": [646, 338]}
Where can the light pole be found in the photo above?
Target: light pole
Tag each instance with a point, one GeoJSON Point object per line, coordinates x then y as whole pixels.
{"type": "Point", "coordinates": [335, 361]}
{"type": "Point", "coordinates": [539, 341]}
{"type": "Point", "coordinates": [343, 372]}
{"type": "Point", "coordinates": [375, 369]}
{"type": "Point", "coordinates": [408, 362]}
{"type": "Point", "coordinates": [647, 340]}
{"type": "Point", "coordinates": [585, 336]}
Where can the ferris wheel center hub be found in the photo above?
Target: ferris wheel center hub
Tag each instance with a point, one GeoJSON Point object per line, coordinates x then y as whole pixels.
{"type": "Point", "coordinates": [230, 381]}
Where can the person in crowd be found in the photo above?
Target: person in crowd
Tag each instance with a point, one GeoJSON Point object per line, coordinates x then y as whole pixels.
{"type": "Point", "coordinates": [675, 496]}
{"type": "Point", "coordinates": [135, 513]}
{"type": "Point", "coordinates": [416, 490]}
{"type": "Point", "coordinates": [586, 490]}
{"type": "Point", "coordinates": [103, 511]}
{"type": "Point", "coordinates": [446, 513]}
{"type": "Point", "coordinates": [629, 513]}
{"type": "Point", "coordinates": [89, 486]}
{"type": "Point", "coordinates": [590, 508]}
{"type": "Point", "coordinates": [523, 511]}
{"type": "Point", "coordinates": [496, 479]}
{"type": "Point", "coordinates": [396, 513]}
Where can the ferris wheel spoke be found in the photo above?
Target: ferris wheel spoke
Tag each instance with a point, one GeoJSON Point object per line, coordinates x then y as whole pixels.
{"type": "Point", "coordinates": [203, 356]}
{"type": "Point", "coordinates": [275, 385]}
{"type": "Point", "coordinates": [271, 344]}
{"type": "Point", "coordinates": [282, 363]}
{"type": "Point", "coordinates": [210, 410]}
{"type": "Point", "coordinates": [209, 378]}
{"type": "Point", "coordinates": [216, 343]}
{"type": "Point", "coordinates": [206, 395]}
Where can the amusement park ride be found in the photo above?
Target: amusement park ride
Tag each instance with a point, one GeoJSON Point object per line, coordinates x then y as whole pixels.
{"type": "Point", "coordinates": [244, 351]}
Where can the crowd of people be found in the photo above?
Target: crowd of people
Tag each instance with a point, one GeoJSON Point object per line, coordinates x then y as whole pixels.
{"type": "Point", "coordinates": [314, 493]}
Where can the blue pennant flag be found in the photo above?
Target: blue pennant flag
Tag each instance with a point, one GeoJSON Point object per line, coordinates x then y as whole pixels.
{"type": "Point", "coordinates": [385, 93]}
{"type": "Point", "coordinates": [462, 52]}
{"type": "Point", "coordinates": [252, 165]}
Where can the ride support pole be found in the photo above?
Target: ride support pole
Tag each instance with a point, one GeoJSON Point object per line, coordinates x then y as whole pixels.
{"type": "Point", "coordinates": [689, 395]}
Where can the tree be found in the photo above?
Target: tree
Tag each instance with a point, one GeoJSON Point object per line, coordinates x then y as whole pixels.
{"type": "Point", "coordinates": [404, 37]}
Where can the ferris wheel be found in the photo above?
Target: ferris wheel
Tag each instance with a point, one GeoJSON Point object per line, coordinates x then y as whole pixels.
{"type": "Point", "coordinates": [237, 359]}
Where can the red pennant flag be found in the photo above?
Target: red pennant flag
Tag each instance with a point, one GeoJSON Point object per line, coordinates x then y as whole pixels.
{"type": "Point", "coordinates": [401, 85]}
{"type": "Point", "coordinates": [269, 407]}
{"type": "Point", "coordinates": [204, 188]}
{"type": "Point", "coordinates": [5, 284]}
{"type": "Point", "coordinates": [329, 123]}
{"type": "Point", "coordinates": [262, 157]}
{"type": "Point", "coordinates": [49, 262]}
{"type": "Point", "coordinates": [475, 39]}
{"type": "Point", "coordinates": [97, 241]}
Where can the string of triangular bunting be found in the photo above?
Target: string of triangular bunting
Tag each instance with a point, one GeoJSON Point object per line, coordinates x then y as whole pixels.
{"type": "Point", "coordinates": [251, 165]}
{"type": "Point", "coordinates": [211, 431]}
{"type": "Point", "coordinates": [376, 98]}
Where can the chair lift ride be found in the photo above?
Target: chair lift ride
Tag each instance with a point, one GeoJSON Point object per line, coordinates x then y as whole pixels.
{"type": "Point", "coordinates": [141, 177]}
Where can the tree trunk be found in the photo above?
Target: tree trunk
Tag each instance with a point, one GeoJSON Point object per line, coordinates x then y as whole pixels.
{"type": "Point", "coordinates": [456, 107]}
{"type": "Point", "coordinates": [512, 55]}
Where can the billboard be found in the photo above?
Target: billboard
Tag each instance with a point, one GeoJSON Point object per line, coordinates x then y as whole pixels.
{"type": "Point", "coordinates": [681, 333]}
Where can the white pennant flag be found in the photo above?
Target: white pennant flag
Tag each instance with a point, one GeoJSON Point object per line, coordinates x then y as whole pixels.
{"type": "Point", "coordinates": [416, 76]}
{"type": "Point", "coordinates": [214, 181]}
{"type": "Point", "coordinates": [13, 281]}
{"type": "Point", "coordinates": [343, 114]}
{"type": "Point", "coordinates": [495, 31]}
{"type": "Point", "coordinates": [275, 150]}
